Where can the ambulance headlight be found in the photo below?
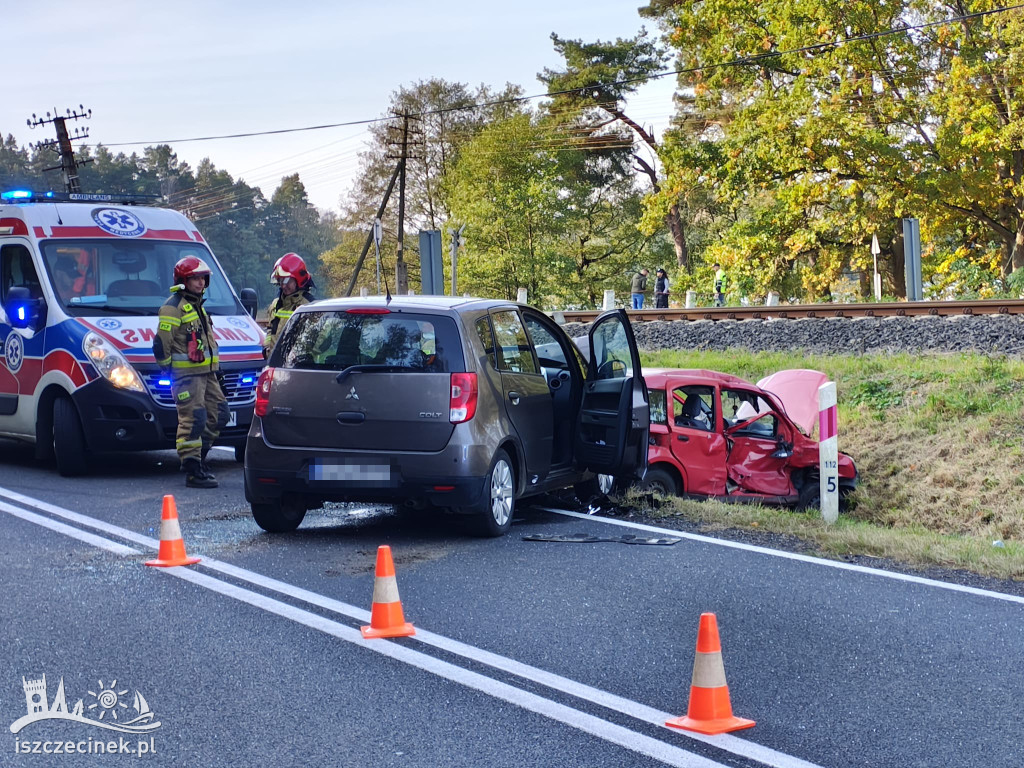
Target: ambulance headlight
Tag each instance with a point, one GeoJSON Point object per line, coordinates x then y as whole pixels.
{"type": "Point", "coordinates": [111, 363]}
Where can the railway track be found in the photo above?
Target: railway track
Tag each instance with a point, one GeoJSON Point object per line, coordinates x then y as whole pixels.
{"type": "Point", "coordinates": [800, 311]}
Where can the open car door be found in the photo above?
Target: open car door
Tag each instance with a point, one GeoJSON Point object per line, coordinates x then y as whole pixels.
{"type": "Point", "coordinates": [615, 416]}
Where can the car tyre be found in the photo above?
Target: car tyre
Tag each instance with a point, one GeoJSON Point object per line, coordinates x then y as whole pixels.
{"type": "Point", "coordinates": [69, 439]}
{"type": "Point", "coordinates": [493, 515]}
{"type": "Point", "coordinates": [280, 516]}
{"type": "Point", "coordinates": [810, 498]}
{"type": "Point", "coordinates": [660, 481]}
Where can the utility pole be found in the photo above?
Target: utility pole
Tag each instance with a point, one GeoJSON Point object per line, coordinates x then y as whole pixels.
{"type": "Point", "coordinates": [456, 242]}
{"type": "Point", "coordinates": [68, 165]}
{"type": "Point", "coordinates": [401, 270]}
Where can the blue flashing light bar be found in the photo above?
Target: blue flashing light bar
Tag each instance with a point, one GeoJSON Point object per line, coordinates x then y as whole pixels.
{"type": "Point", "coordinates": [30, 196]}
{"type": "Point", "coordinates": [20, 194]}
{"type": "Point", "coordinates": [22, 313]}
{"type": "Point", "coordinates": [163, 382]}
{"type": "Point", "coordinates": [248, 379]}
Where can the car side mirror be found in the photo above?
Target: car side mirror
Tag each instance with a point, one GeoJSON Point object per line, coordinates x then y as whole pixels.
{"type": "Point", "coordinates": [25, 310]}
{"type": "Point", "coordinates": [783, 450]}
{"type": "Point", "coordinates": [250, 300]}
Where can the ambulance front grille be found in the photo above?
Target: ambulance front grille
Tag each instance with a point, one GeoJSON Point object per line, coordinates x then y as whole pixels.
{"type": "Point", "coordinates": [239, 387]}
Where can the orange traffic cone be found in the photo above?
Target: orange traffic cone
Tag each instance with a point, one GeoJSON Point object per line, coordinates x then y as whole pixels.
{"type": "Point", "coordinates": [172, 548]}
{"type": "Point", "coordinates": [709, 711]}
{"type": "Point", "coordinates": [386, 618]}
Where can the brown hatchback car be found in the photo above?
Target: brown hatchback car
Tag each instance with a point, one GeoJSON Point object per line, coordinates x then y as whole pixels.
{"type": "Point", "coordinates": [430, 401]}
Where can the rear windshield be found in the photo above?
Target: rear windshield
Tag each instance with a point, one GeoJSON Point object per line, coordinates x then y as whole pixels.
{"type": "Point", "coordinates": [401, 341]}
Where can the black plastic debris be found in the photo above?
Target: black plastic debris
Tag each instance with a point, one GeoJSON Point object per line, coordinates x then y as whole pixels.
{"type": "Point", "coordinates": [586, 538]}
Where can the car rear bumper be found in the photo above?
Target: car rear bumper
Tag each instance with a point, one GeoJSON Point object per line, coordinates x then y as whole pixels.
{"type": "Point", "coordinates": [454, 477]}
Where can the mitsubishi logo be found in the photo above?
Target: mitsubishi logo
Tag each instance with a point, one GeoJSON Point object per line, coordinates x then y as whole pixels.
{"type": "Point", "coordinates": [352, 395]}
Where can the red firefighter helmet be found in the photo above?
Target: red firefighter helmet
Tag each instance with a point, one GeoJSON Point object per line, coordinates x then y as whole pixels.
{"type": "Point", "coordinates": [190, 266]}
{"type": "Point", "coordinates": [291, 265]}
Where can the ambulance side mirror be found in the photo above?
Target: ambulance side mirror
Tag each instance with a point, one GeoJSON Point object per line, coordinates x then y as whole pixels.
{"type": "Point", "coordinates": [250, 300]}
{"type": "Point", "coordinates": [23, 310]}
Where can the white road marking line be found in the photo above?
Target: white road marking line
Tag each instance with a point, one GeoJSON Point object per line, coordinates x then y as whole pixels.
{"type": "Point", "coordinates": [650, 715]}
{"type": "Point", "coordinates": [67, 530]}
{"type": "Point", "coordinates": [792, 556]}
{"type": "Point", "coordinates": [595, 726]}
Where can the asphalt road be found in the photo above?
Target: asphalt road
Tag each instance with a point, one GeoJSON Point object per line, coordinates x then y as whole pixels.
{"type": "Point", "coordinates": [527, 653]}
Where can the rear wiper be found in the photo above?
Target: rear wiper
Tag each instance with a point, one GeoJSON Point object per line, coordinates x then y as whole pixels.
{"type": "Point", "coordinates": [372, 367]}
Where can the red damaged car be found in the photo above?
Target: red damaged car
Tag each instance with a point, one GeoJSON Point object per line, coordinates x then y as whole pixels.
{"type": "Point", "coordinates": [716, 435]}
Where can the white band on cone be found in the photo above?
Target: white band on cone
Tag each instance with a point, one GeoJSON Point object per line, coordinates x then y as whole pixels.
{"type": "Point", "coordinates": [170, 530]}
{"type": "Point", "coordinates": [708, 670]}
{"type": "Point", "coordinates": [385, 590]}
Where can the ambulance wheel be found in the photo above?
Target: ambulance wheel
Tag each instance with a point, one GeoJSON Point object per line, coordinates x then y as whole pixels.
{"type": "Point", "coordinates": [68, 439]}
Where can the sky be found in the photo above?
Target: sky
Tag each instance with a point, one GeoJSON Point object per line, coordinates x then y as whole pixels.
{"type": "Point", "coordinates": [162, 72]}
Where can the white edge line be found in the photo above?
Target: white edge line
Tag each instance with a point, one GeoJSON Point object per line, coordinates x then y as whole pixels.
{"type": "Point", "coordinates": [650, 715]}
{"type": "Point", "coordinates": [595, 726]}
{"type": "Point", "coordinates": [793, 556]}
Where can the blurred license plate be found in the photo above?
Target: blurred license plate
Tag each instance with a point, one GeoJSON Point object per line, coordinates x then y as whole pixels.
{"type": "Point", "coordinates": [349, 473]}
{"type": "Point", "coordinates": [233, 419]}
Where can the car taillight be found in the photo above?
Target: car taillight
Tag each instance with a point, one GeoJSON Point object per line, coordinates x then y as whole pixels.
{"type": "Point", "coordinates": [263, 392]}
{"type": "Point", "coordinates": [463, 402]}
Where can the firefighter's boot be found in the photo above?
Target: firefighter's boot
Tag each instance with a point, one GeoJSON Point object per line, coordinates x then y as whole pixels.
{"type": "Point", "coordinates": [194, 475]}
{"type": "Point", "coordinates": [206, 467]}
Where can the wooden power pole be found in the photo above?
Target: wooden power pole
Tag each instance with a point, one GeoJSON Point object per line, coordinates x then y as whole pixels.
{"type": "Point", "coordinates": [68, 165]}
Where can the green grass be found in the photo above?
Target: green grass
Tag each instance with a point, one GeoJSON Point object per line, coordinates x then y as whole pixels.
{"type": "Point", "coordinates": [938, 441]}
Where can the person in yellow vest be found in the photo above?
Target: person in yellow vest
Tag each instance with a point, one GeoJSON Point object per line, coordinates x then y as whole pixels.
{"type": "Point", "coordinates": [720, 280]}
{"type": "Point", "coordinates": [295, 289]}
{"type": "Point", "coordinates": [185, 346]}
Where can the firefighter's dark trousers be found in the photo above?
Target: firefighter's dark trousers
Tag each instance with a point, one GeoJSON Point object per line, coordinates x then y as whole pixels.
{"type": "Point", "coordinates": [202, 413]}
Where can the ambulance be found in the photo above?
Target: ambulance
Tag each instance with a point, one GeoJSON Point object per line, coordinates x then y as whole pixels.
{"type": "Point", "coordinates": [82, 277]}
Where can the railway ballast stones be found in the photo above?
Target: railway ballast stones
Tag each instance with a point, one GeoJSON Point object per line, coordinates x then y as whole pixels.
{"type": "Point", "coordinates": [989, 334]}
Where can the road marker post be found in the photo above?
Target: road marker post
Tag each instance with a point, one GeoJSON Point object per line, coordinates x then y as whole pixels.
{"type": "Point", "coordinates": [828, 451]}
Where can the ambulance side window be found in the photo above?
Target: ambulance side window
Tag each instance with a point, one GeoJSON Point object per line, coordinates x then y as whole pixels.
{"type": "Point", "coordinates": [16, 268]}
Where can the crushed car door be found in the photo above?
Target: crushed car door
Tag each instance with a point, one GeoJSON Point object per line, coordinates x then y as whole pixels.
{"type": "Point", "coordinates": [757, 462]}
{"type": "Point", "coordinates": [615, 416]}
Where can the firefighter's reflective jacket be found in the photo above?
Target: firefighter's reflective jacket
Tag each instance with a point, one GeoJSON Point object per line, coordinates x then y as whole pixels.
{"type": "Point", "coordinates": [184, 342]}
{"type": "Point", "coordinates": [282, 308]}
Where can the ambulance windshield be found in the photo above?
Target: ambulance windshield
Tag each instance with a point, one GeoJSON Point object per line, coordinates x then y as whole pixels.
{"type": "Point", "coordinates": [127, 276]}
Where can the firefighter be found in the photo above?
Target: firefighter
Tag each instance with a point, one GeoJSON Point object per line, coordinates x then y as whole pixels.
{"type": "Point", "coordinates": [295, 289]}
{"type": "Point", "coordinates": [185, 346]}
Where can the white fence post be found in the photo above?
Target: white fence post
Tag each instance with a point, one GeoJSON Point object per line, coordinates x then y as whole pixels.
{"type": "Point", "coordinates": [521, 296]}
{"type": "Point", "coordinates": [773, 299]}
{"type": "Point", "coordinates": [828, 451]}
{"type": "Point", "coordinates": [609, 300]}
{"type": "Point", "coordinates": [691, 299]}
